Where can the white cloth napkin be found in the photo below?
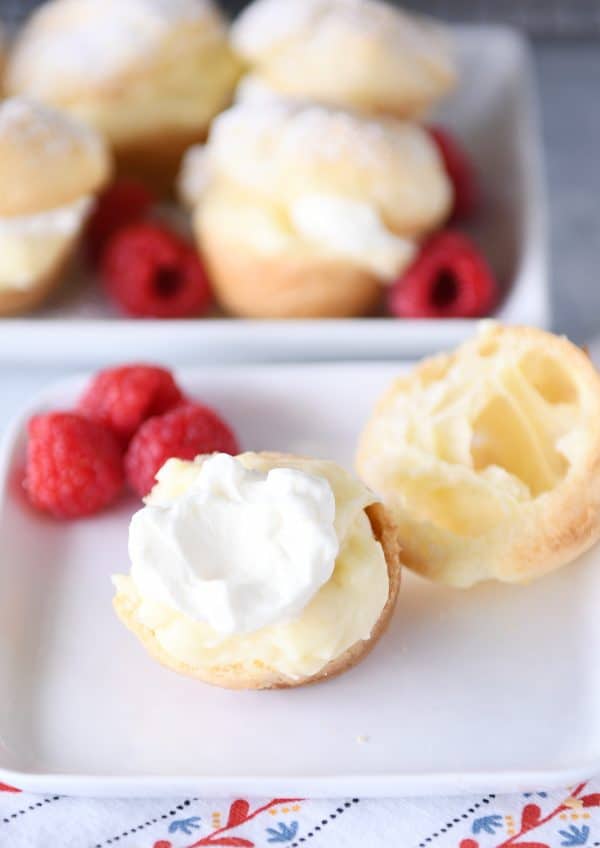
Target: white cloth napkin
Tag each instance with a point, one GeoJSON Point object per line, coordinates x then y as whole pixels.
{"type": "Point", "coordinates": [566, 818]}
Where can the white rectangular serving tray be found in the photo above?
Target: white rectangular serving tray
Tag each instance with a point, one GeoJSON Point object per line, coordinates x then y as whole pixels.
{"type": "Point", "coordinates": [496, 688]}
{"type": "Point", "coordinates": [495, 112]}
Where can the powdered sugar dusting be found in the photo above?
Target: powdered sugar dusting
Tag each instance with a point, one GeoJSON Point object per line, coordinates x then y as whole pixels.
{"type": "Point", "coordinates": [333, 135]}
{"type": "Point", "coordinates": [29, 122]}
{"type": "Point", "coordinates": [279, 152]}
{"type": "Point", "coordinates": [300, 133]}
{"type": "Point", "coordinates": [70, 40]}
{"type": "Point", "coordinates": [267, 24]}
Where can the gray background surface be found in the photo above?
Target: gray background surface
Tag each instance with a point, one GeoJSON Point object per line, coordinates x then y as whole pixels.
{"type": "Point", "coordinates": [538, 16]}
{"type": "Point", "coordinates": [569, 83]}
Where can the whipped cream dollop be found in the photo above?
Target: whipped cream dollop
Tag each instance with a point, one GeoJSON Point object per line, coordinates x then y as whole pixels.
{"type": "Point", "coordinates": [237, 549]}
{"type": "Point", "coordinates": [30, 244]}
{"type": "Point", "coordinates": [352, 229]}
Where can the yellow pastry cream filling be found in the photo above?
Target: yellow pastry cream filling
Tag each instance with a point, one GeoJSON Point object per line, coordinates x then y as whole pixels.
{"type": "Point", "coordinates": [342, 612]}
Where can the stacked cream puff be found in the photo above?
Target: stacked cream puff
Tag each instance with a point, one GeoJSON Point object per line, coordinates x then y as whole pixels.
{"type": "Point", "coordinates": [306, 209]}
{"type": "Point", "coordinates": [148, 74]}
{"type": "Point", "coordinates": [51, 166]}
{"type": "Point", "coordinates": [312, 192]}
{"type": "Point", "coordinates": [316, 188]}
{"type": "Point", "coordinates": [259, 571]}
{"type": "Point", "coordinates": [91, 82]}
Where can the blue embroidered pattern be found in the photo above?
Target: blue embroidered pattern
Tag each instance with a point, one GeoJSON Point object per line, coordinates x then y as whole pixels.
{"type": "Point", "coordinates": [186, 826]}
{"type": "Point", "coordinates": [283, 833]}
{"type": "Point", "coordinates": [487, 824]}
{"type": "Point", "coordinates": [575, 835]}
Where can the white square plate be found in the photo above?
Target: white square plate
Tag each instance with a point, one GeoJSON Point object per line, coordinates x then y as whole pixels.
{"type": "Point", "coordinates": [497, 687]}
{"type": "Point", "coordinates": [494, 111]}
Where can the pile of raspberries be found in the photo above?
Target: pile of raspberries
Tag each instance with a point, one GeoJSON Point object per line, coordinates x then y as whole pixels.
{"type": "Point", "coordinates": [125, 426]}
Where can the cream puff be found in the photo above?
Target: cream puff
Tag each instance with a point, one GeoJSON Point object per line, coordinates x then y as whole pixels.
{"type": "Point", "coordinates": [357, 54]}
{"type": "Point", "coordinates": [260, 571]}
{"type": "Point", "coordinates": [487, 458]}
{"type": "Point", "coordinates": [148, 74]}
{"type": "Point", "coordinates": [306, 211]}
{"type": "Point", "coordinates": [51, 166]}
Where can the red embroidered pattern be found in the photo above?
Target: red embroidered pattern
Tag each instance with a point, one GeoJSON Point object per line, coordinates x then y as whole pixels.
{"type": "Point", "coordinates": [531, 818]}
{"type": "Point", "coordinates": [239, 814]}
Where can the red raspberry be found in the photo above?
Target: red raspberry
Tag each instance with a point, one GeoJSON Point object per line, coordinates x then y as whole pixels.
{"type": "Point", "coordinates": [461, 172]}
{"type": "Point", "coordinates": [123, 398]}
{"type": "Point", "coordinates": [74, 466]}
{"type": "Point", "coordinates": [152, 272]}
{"type": "Point", "coordinates": [122, 203]}
{"type": "Point", "coordinates": [183, 433]}
{"type": "Point", "coordinates": [448, 279]}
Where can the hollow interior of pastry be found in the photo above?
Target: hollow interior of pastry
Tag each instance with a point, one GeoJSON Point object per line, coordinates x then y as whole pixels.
{"type": "Point", "coordinates": [482, 434]}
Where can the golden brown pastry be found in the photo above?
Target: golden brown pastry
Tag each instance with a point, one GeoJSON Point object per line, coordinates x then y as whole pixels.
{"type": "Point", "coordinates": [307, 211]}
{"type": "Point", "coordinates": [149, 74]}
{"type": "Point", "coordinates": [487, 458]}
{"type": "Point", "coordinates": [357, 54]}
{"type": "Point", "coordinates": [228, 607]}
{"type": "Point", "coordinates": [51, 166]}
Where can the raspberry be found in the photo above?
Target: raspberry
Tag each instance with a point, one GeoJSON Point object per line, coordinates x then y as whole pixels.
{"type": "Point", "coordinates": [122, 203]}
{"type": "Point", "coordinates": [183, 433]}
{"type": "Point", "coordinates": [152, 272]}
{"type": "Point", "coordinates": [74, 466]}
{"type": "Point", "coordinates": [123, 398]}
{"type": "Point", "coordinates": [448, 279]}
{"type": "Point", "coordinates": [461, 172]}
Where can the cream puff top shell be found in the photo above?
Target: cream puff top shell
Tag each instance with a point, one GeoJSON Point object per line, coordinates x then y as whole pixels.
{"type": "Point", "coordinates": [360, 53]}
{"type": "Point", "coordinates": [47, 159]}
{"type": "Point", "coordinates": [280, 153]}
{"type": "Point", "coordinates": [69, 47]}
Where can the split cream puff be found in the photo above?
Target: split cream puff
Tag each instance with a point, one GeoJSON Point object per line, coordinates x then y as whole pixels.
{"type": "Point", "coordinates": [358, 54]}
{"type": "Point", "coordinates": [51, 166]}
{"type": "Point", "coordinates": [487, 458]}
{"type": "Point", "coordinates": [260, 571]}
{"type": "Point", "coordinates": [148, 74]}
{"type": "Point", "coordinates": [307, 211]}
